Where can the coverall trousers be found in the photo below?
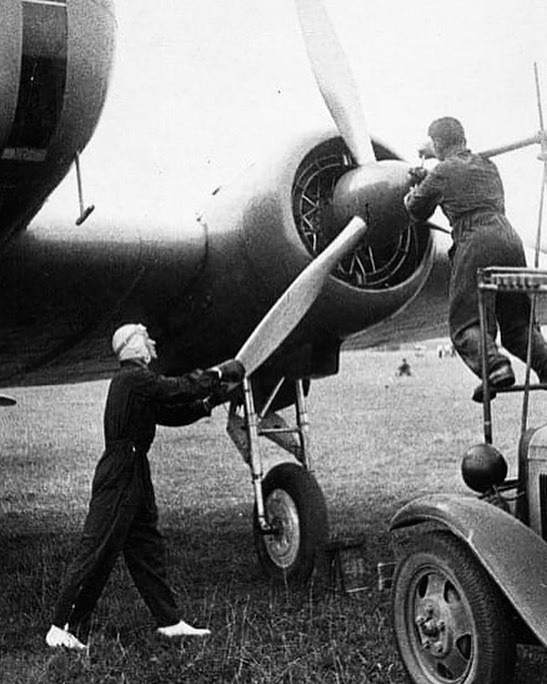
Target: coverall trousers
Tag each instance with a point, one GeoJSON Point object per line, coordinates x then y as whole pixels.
{"type": "Point", "coordinates": [122, 517]}
{"type": "Point", "coordinates": [482, 240]}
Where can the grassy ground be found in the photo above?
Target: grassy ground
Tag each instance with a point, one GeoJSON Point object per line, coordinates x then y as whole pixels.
{"type": "Point", "coordinates": [378, 441]}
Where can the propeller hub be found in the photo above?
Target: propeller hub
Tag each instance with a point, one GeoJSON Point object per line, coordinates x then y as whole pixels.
{"type": "Point", "coordinates": [375, 192]}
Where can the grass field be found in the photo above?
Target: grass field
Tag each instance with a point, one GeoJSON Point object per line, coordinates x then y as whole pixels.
{"type": "Point", "coordinates": [378, 440]}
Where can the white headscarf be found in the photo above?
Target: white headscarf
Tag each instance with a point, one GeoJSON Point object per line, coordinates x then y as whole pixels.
{"type": "Point", "coordinates": [129, 342]}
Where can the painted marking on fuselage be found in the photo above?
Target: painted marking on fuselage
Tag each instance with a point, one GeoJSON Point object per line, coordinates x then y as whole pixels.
{"type": "Point", "coordinates": [24, 154]}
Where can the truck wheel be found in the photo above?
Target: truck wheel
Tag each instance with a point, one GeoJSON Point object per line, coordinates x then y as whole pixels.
{"type": "Point", "coordinates": [295, 508]}
{"type": "Point", "coordinates": [452, 624]}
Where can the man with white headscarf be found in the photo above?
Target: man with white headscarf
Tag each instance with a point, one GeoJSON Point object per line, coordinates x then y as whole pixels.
{"type": "Point", "coordinates": [122, 516]}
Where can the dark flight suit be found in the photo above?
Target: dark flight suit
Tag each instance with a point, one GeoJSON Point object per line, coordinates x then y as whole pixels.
{"type": "Point", "coordinates": [469, 190]}
{"type": "Point", "coordinates": [122, 513]}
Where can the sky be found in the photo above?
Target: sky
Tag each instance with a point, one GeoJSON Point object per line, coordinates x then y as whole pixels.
{"type": "Point", "coordinates": [201, 89]}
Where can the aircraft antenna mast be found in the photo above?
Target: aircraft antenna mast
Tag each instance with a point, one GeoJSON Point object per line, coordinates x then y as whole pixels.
{"type": "Point", "coordinates": [84, 213]}
{"type": "Point", "coordinates": [542, 157]}
{"type": "Point", "coordinates": [533, 298]}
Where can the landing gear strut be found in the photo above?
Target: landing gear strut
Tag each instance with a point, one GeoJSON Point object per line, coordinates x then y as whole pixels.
{"type": "Point", "coordinates": [290, 513]}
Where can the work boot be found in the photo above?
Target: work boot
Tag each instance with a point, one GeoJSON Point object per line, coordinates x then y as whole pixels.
{"type": "Point", "coordinates": [61, 637]}
{"type": "Point", "coordinates": [182, 629]}
{"type": "Point", "coordinates": [500, 377]}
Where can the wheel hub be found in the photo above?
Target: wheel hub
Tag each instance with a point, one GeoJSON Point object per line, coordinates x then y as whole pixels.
{"type": "Point", "coordinates": [284, 542]}
{"type": "Point", "coordinates": [443, 627]}
{"type": "Point", "coordinates": [434, 636]}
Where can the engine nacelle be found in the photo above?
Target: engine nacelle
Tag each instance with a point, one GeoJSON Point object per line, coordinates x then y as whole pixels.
{"type": "Point", "coordinates": [268, 225]}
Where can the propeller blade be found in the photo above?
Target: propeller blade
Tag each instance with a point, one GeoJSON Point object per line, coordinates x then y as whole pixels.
{"type": "Point", "coordinates": [334, 78]}
{"type": "Point", "coordinates": [290, 308]}
{"type": "Point", "coordinates": [519, 144]}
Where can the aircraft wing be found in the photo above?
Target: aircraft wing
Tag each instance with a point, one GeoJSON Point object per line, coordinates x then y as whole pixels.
{"type": "Point", "coordinates": [203, 287]}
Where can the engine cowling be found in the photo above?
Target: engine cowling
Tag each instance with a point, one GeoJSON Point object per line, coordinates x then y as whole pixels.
{"type": "Point", "coordinates": [266, 227]}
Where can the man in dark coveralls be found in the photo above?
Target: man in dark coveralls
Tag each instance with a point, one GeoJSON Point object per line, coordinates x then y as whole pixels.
{"type": "Point", "coordinates": [469, 190]}
{"type": "Point", "coordinates": [122, 513]}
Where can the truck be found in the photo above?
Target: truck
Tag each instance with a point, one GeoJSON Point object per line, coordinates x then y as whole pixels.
{"type": "Point", "coordinates": [469, 580]}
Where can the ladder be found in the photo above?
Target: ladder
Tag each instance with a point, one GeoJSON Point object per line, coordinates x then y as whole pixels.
{"type": "Point", "coordinates": [492, 280]}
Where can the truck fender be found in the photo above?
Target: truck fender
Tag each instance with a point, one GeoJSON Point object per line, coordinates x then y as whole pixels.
{"type": "Point", "coordinates": [514, 556]}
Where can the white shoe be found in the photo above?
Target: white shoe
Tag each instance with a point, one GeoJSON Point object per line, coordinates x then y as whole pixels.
{"type": "Point", "coordinates": [61, 637]}
{"type": "Point", "coordinates": [182, 629]}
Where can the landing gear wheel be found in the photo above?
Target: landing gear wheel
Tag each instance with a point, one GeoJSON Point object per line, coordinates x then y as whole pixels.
{"type": "Point", "coordinates": [452, 624]}
{"type": "Point", "coordinates": [295, 508]}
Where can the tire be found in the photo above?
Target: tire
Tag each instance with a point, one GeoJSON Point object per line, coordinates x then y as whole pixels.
{"type": "Point", "coordinates": [452, 624]}
{"type": "Point", "coordinates": [296, 509]}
